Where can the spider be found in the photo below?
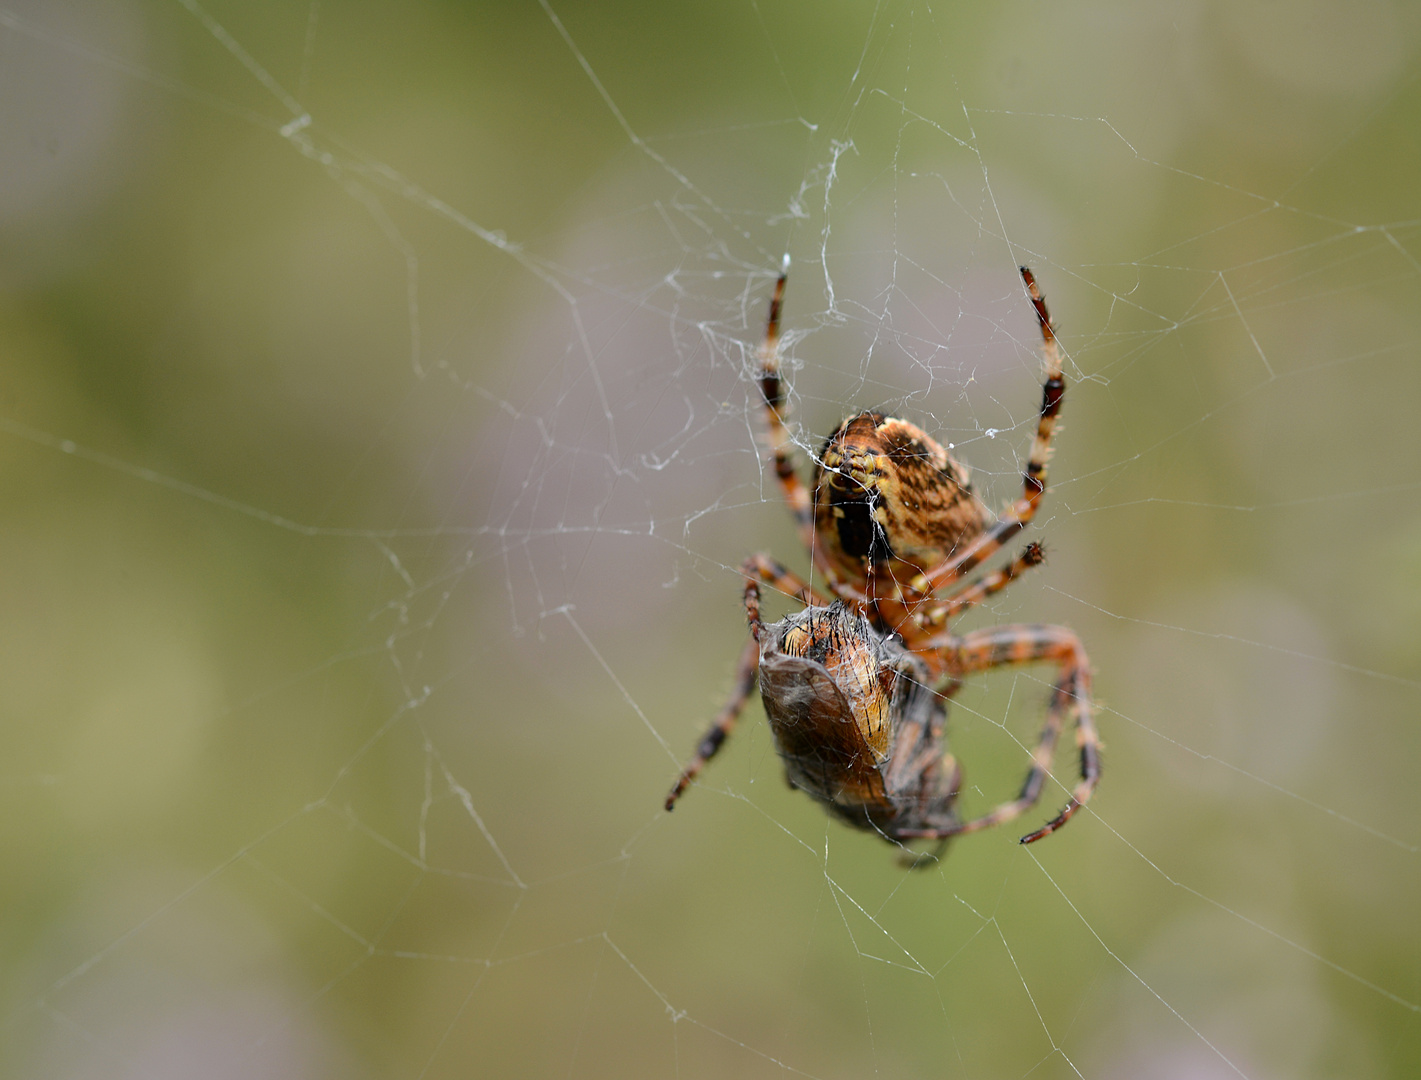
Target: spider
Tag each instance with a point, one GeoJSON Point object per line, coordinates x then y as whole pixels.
{"type": "Point", "coordinates": [855, 687]}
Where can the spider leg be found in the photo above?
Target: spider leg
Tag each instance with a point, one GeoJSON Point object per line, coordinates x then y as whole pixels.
{"type": "Point", "coordinates": [761, 567]}
{"type": "Point", "coordinates": [922, 628]}
{"type": "Point", "coordinates": [937, 617]}
{"type": "Point", "coordinates": [920, 767]}
{"type": "Point", "coordinates": [983, 650]}
{"type": "Point", "coordinates": [755, 569]}
{"type": "Point", "coordinates": [745, 669]}
{"type": "Point", "coordinates": [1019, 513]}
{"type": "Point", "coordinates": [796, 495]}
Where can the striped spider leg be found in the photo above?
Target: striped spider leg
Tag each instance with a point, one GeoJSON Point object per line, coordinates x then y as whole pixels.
{"type": "Point", "coordinates": [755, 569]}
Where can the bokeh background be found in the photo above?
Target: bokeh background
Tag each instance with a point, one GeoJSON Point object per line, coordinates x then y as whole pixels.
{"type": "Point", "coordinates": [378, 447]}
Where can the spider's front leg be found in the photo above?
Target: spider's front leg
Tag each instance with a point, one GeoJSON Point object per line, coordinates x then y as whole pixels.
{"type": "Point", "coordinates": [1022, 510]}
{"type": "Point", "coordinates": [755, 569]}
{"type": "Point", "coordinates": [796, 496]}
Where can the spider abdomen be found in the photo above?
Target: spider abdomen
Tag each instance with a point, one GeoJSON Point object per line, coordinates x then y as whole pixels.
{"type": "Point", "coordinates": [886, 492]}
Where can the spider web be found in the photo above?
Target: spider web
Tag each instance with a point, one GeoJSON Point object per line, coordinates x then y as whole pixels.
{"type": "Point", "coordinates": [382, 440]}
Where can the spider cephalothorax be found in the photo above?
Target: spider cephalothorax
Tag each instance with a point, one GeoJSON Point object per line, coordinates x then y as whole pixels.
{"type": "Point", "coordinates": [855, 689]}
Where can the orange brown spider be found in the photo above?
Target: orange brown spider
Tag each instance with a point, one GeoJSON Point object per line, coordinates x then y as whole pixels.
{"type": "Point", "coordinates": [855, 690]}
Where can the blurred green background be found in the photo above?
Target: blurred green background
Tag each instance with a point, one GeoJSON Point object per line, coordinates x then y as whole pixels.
{"type": "Point", "coordinates": [379, 445]}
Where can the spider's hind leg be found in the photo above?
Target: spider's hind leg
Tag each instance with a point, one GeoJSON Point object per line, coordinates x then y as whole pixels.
{"type": "Point", "coordinates": [711, 741]}
{"type": "Point", "coordinates": [983, 650]}
{"type": "Point", "coordinates": [755, 569]}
